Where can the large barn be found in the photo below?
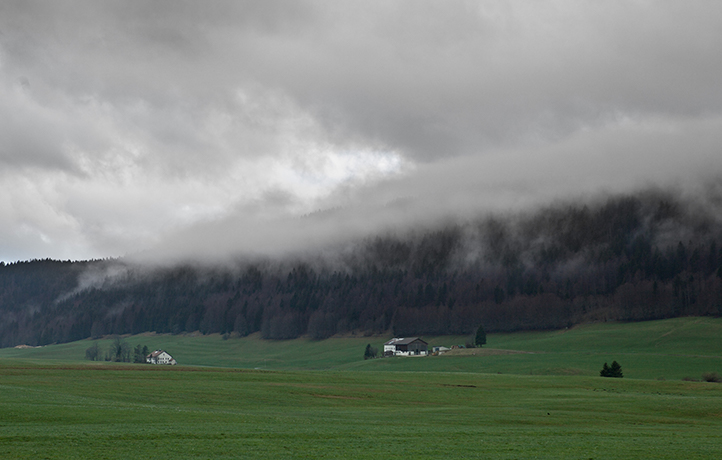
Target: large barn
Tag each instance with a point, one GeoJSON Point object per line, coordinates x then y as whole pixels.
{"type": "Point", "coordinates": [410, 346]}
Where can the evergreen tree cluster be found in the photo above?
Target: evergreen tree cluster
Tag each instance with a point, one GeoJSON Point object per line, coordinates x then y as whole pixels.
{"type": "Point", "coordinates": [615, 370]}
{"type": "Point", "coordinates": [118, 351]}
{"type": "Point", "coordinates": [628, 258]}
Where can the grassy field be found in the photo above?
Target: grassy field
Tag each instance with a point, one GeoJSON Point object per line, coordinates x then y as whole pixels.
{"type": "Point", "coordinates": [525, 395]}
{"type": "Point", "coordinates": [669, 349]}
{"type": "Point", "coordinates": [116, 411]}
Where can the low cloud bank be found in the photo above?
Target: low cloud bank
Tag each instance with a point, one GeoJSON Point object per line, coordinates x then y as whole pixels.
{"type": "Point", "coordinates": [680, 156]}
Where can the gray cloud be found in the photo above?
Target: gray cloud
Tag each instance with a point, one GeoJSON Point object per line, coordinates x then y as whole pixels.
{"type": "Point", "coordinates": [681, 155]}
{"type": "Point", "coordinates": [125, 125]}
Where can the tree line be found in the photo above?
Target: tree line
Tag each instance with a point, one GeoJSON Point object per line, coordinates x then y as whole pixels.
{"type": "Point", "coordinates": [624, 258]}
{"type": "Point", "coordinates": [118, 351]}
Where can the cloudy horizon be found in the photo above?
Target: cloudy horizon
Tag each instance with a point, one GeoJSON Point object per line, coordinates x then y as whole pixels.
{"type": "Point", "coordinates": [182, 129]}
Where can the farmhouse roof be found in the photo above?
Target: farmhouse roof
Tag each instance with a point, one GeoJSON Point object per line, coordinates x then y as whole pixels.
{"type": "Point", "coordinates": [403, 341]}
{"type": "Point", "coordinates": [155, 354]}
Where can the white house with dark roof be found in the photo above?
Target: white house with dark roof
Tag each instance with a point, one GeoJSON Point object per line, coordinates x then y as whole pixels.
{"type": "Point", "coordinates": [160, 357]}
{"type": "Point", "coordinates": [409, 346]}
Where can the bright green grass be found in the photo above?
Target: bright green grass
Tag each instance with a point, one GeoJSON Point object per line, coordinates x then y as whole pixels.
{"type": "Point", "coordinates": [211, 350]}
{"type": "Point", "coordinates": [670, 349]}
{"type": "Point", "coordinates": [53, 404]}
{"type": "Point", "coordinates": [119, 412]}
{"type": "Point", "coordinates": [688, 336]}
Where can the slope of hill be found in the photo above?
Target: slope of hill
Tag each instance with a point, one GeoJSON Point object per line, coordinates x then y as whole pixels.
{"type": "Point", "coordinates": [666, 349]}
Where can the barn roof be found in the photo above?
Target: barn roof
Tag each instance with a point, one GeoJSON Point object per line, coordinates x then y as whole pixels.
{"type": "Point", "coordinates": [403, 341]}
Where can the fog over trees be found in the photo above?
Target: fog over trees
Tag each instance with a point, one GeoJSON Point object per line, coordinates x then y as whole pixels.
{"type": "Point", "coordinates": [629, 257]}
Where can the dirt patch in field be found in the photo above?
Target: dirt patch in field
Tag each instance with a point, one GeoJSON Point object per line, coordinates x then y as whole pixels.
{"type": "Point", "coordinates": [337, 397]}
{"type": "Point", "coordinates": [482, 352]}
{"type": "Point", "coordinates": [299, 385]}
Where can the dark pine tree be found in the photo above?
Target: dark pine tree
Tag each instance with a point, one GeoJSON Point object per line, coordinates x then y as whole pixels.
{"type": "Point", "coordinates": [480, 339]}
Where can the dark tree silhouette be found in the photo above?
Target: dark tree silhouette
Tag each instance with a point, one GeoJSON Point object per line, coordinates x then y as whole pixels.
{"type": "Point", "coordinates": [480, 339]}
{"type": "Point", "coordinates": [370, 352]}
{"type": "Point", "coordinates": [615, 370]}
{"type": "Point", "coordinates": [93, 352]}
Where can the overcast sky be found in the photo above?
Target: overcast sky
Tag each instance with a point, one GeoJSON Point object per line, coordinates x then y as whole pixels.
{"type": "Point", "coordinates": [210, 128]}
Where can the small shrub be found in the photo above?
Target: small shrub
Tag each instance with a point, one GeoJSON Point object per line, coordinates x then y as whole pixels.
{"type": "Point", "coordinates": [711, 377]}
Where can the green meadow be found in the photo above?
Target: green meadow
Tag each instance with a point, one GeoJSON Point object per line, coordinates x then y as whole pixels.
{"type": "Point", "coordinates": [670, 349]}
{"type": "Point", "coordinates": [524, 395]}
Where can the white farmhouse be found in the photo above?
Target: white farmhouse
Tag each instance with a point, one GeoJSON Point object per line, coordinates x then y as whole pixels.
{"type": "Point", "coordinates": [160, 357]}
{"type": "Point", "coordinates": [410, 346]}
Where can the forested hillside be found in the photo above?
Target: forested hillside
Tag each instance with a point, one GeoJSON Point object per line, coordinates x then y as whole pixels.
{"type": "Point", "coordinates": [629, 258]}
